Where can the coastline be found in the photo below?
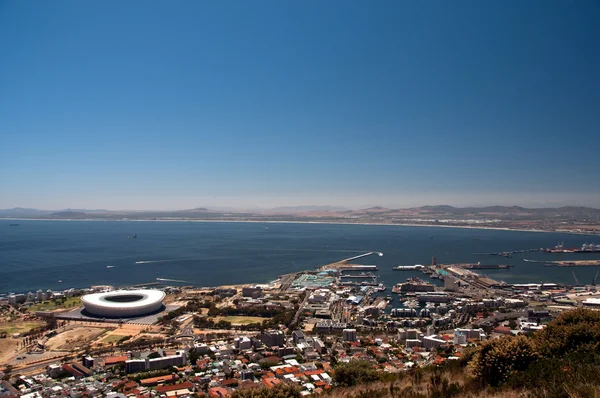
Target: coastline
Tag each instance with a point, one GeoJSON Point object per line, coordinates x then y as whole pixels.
{"type": "Point", "coordinates": [312, 222]}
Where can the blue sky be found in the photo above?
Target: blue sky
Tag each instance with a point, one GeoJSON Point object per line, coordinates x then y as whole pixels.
{"type": "Point", "coordinates": [166, 105]}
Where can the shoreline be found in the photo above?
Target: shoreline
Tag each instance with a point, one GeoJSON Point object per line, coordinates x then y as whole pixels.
{"type": "Point", "coordinates": [314, 222]}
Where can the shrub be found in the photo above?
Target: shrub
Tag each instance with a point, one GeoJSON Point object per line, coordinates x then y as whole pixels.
{"type": "Point", "coordinates": [280, 391]}
{"type": "Point", "coordinates": [497, 359]}
{"type": "Point", "coordinates": [354, 372]}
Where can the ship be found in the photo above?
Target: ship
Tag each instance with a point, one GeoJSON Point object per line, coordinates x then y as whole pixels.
{"type": "Point", "coordinates": [585, 248]}
{"type": "Point", "coordinates": [487, 266]}
{"type": "Point", "coordinates": [13, 225]}
{"type": "Point", "coordinates": [408, 267]}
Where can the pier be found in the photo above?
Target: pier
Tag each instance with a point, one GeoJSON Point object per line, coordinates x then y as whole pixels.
{"type": "Point", "coordinates": [360, 256]}
{"type": "Point", "coordinates": [369, 275]}
{"type": "Point", "coordinates": [344, 265]}
{"type": "Point", "coordinates": [357, 267]}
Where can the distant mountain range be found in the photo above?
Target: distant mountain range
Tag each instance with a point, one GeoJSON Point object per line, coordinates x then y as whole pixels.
{"type": "Point", "coordinates": [308, 211]}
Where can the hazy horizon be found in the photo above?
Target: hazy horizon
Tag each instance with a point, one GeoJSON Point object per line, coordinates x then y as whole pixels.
{"type": "Point", "coordinates": [232, 204]}
{"type": "Point", "coordinates": [173, 106]}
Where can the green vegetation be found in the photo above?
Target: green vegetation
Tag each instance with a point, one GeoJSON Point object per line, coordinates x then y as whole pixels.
{"type": "Point", "coordinates": [56, 304]}
{"type": "Point", "coordinates": [149, 374]}
{"type": "Point", "coordinates": [280, 391]}
{"type": "Point", "coordinates": [354, 373]}
{"type": "Point", "coordinates": [224, 318]}
{"type": "Point", "coordinates": [561, 361]}
{"type": "Point", "coordinates": [241, 320]}
{"type": "Point", "coordinates": [496, 360]}
{"type": "Point", "coordinates": [115, 338]}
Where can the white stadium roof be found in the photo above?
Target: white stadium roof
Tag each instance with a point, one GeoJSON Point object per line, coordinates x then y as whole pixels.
{"type": "Point", "coordinates": [123, 303]}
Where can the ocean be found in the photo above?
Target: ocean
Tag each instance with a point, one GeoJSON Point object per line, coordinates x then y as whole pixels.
{"type": "Point", "coordinates": [39, 254]}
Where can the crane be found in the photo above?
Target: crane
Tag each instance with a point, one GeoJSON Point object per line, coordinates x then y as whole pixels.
{"type": "Point", "coordinates": [575, 277]}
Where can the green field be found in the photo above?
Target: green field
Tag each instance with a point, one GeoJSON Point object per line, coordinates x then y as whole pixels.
{"type": "Point", "coordinates": [113, 338]}
{"type": "Point", "coordinates": [241, 320]}
{"type": "Point", "coordinates": [19, 327]}
{"type": "Point", "coordinates": [71, 302]}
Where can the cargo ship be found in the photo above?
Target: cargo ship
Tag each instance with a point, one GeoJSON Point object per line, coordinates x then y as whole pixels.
{"type": "Point", "coordinates": [585, 248]}
{"type": "Point", "coordinates": [487, 266]}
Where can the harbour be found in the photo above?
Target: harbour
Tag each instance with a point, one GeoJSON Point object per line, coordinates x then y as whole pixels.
{"type": "Point", "coordinates": [77, 253]}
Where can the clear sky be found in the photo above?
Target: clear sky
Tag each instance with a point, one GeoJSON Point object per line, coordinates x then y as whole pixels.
{"type": "Point", "coordinates": [180, 104]}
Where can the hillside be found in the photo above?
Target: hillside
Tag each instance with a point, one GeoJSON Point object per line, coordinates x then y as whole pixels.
{"type": "Point", "coordinates": [561, 360]}
{"type": "Point", "coordinates": [566, 219]}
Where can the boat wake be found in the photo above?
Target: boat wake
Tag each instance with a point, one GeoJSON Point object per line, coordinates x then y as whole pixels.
{"type": "Point", "coordinates": [159, 261]}
{"type": "Point", "coordinates": [171, 280]}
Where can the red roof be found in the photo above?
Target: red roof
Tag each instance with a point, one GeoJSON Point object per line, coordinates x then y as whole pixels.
{"type": "Point", "coordinates": [270, 382]}
{"type": "Point", "coordinates": [502, 329]}
{"type": "Point", "coordinates": [114, 360]}
{"type": "Point", "coordinates": [156, 380]}
{"type": "Point", "coordinates": [218, 392]}
{"type": "Point", "coordinates": [174, 387]}
{"type": "Point", "coordinates": [129, 385]}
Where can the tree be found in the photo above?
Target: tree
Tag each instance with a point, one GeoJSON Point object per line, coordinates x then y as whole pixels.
{"type": "Point", "coordinates": [354, 373]}
{"type": "Point", "coordinates": [153, 355]}
{"type": "Point", "coordinates": [193, 356]}
{"type": "Point", "coordinates": [576, 330]}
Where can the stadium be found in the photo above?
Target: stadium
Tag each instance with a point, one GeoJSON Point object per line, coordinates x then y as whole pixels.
{"type": "Point", "coordinates": [123, 303]}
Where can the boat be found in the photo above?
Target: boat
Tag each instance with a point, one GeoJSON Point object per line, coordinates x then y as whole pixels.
{"type": "Point", "coordinates": [381, 287]}
{"type": "Point", "coordinates": [133, 237]}
{"type": "Point", "coordinates": [408, 267]}
{"type": "Point", "coordinates": [110, 266]}
{"type": "Point", "coordinates": [410, 304]}
{"type": "Point", "coordinates": [60, 281]}
{"type": "Point", "coordinates": [13, 225]}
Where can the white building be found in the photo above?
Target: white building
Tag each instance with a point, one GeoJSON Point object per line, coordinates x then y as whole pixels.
{"type": "Point", "coordinates": [460, 338]}
{"type": "Point", "coordinates": [451, 284]}
{"type": "Point", "coordinates": [433, 342]}
{"type": "Point", "coordinates": [243, 343]}
{"type": "Point", "coordinates": [477, 334]}
{"type": "Point", "coordinates": [412, 343]}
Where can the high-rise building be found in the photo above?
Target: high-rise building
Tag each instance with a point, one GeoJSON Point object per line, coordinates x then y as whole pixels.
{"type": "Point", "coordinates": [349, 334]}
{"type": "Point", "coordinates": [274, 338]}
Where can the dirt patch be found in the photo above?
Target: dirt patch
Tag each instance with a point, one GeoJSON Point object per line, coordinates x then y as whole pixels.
{"type": "Point", "coordinates": [7, 349]}
{"type": "Point", "coordinates": [74, 338]}
{"type": "Point", "coordinates": [19, 326]}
